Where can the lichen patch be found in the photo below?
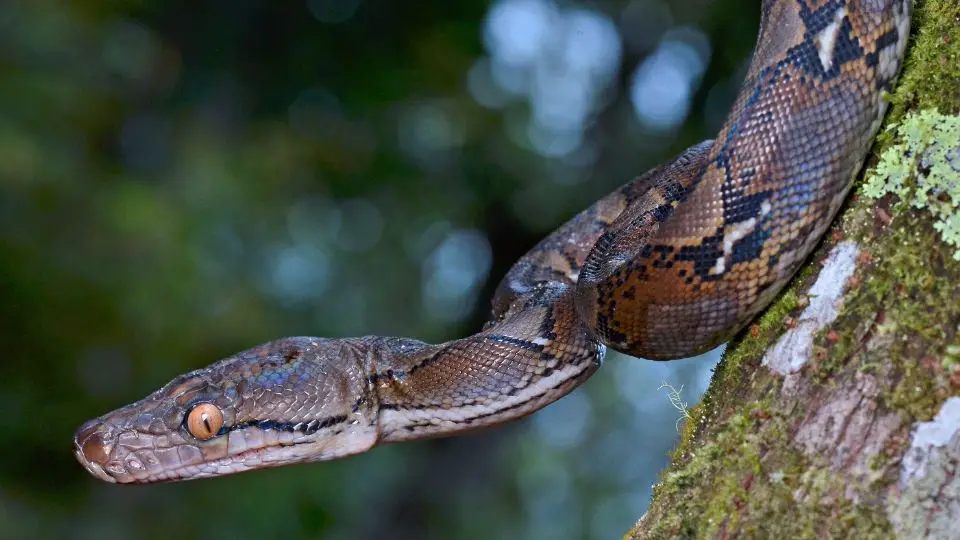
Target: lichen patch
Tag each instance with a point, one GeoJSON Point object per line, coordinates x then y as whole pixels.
{"type": "Point", "coordinates": [928, 505]}
{"type": "Point", "coordinates": [794, 348]}
{"type": "Point", "coordinates": [923, 169]}
{"type": "Point", "coordinates": [927, 438]}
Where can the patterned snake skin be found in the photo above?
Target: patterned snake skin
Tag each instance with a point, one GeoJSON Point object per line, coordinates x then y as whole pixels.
{"type": "Point", "coordinates": [668, 266]}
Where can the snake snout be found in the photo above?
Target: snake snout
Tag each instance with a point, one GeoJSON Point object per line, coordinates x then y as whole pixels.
{"type": "Point", "coordinates": [92, 447]}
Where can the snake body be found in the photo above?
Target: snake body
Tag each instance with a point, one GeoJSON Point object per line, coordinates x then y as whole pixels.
{"type": "Point", "coordinates": [668, 266]}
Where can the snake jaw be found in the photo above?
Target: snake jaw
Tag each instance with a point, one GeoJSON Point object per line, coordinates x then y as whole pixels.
{"type": "Point", "coordinates": [149, 465]}
{"type": "Point", "coordinates": [93, 450]}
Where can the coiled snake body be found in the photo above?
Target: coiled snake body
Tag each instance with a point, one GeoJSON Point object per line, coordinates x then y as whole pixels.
{"type": "Point", "coordinates": [668, 266]}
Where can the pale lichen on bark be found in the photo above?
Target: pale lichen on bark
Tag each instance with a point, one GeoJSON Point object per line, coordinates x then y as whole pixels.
{"type": "Point", "coordinates": [837, 414]}
{"type": "Point", "coordinates": [795, 347]}
{"type": "Point", "coordinates": [928, 502]}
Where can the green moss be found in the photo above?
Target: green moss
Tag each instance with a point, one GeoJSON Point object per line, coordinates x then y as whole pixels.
{"type": "Point", "coordinates": [744, 481]}
{"type": "Point", "coordinates": [931, 73]}
{"type": "Point", "coordinates": [951, 358]}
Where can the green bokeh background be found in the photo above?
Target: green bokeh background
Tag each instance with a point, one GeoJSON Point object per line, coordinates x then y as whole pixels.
{"type": "Point", "coordinates": [182, 180]}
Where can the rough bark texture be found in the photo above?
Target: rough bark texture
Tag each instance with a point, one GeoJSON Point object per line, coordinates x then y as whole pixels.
{"type": "Point", "coordinates": [837, 414]}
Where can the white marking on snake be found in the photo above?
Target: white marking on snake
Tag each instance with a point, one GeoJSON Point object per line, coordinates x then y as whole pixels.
{"type": "Point", "coordinates": [720, 265]}
{"type": "Point", "coordinates": [827, 39]}
{"type": "Point", "coordinates": [737, 232]}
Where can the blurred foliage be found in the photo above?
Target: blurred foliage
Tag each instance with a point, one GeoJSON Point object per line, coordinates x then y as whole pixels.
{"type": "Point", "coordinates": [181, 181]}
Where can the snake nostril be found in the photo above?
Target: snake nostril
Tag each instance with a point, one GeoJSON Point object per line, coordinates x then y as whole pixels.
{"type": "Point", "coordinates": [90, 441]}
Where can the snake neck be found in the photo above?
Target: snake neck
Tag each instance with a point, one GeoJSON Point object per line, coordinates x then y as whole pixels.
{"type": "Point", "coordinates": [539, 351]}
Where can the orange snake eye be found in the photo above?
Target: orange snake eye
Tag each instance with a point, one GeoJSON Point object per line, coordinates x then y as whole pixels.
{"type": "Point", "coordinates": [204, 421]}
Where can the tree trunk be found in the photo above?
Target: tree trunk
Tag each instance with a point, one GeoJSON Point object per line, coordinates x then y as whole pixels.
{"type": "Point", "coordinates": [837, 414]}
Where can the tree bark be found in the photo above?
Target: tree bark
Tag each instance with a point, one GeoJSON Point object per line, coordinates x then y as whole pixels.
{"type": "Point", "coordinates": [837, 414]}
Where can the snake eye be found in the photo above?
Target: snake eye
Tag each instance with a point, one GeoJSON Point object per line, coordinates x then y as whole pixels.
{"type": "Point", "coordinates": [204, 421]}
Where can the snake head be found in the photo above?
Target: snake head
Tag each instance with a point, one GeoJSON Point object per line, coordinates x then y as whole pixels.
{"type": "Point", "coordinates": [287, 401]}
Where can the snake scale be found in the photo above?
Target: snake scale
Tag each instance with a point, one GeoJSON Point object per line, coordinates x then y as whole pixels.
{"type": "Point", "coordinates": [670, 265]}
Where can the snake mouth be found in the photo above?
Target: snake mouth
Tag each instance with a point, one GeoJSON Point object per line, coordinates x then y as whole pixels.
{"type": "Point", "coordinates": [95, 469]}
{"type": "Point", "coordinates": [93, 449]}
{"type": "Point", "coordinates": [279, 453]}
{"type": "Point", "coordinates": [235, 463]}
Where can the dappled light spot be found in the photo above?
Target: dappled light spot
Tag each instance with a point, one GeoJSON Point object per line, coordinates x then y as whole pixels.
{"type": "Point", "coordinates": [561, 61]}
{"type": "Point", "coordinates": [427, 130]}
{"type": "Point", "coordinates": [298, 273]}
{"type": "Point", "coordinates": [663, 85]}
{"type": "Point", "coordinates": [453, 273]}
